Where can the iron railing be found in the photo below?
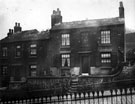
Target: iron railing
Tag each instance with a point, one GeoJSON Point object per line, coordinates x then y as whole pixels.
{"type": "Point", "coordinates": [124, 93]}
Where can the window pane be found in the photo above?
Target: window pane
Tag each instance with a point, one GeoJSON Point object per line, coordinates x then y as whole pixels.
{"type": "Point", "coordinates": [33, 45]}
{"type": "Point", "coordinates": [105, 37]}
{"type": "Point", "coordinates": [33, 66]}
{"type": "Point", "coordinates": [33, 51]}
{"type": "Point", "coordinates": [4, 70]}
{"type": "Point", "coordinates": [65, 39]}
{"type": "Point", "coordinates": [18, 46]}
{"type": "Point", "coordinates": [33, 71]}
{"type": "Point", "coordinates": [4, 51]}
{"type": "Point", "coordinates": [105, 57]}
{"type": "Point", "coordinates": [18, 51]}
{"type": "Point", "coordinates": [65, 60]}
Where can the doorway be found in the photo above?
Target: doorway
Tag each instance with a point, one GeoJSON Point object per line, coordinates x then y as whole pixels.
{"type": "Point", "coordinates": [85, 66]}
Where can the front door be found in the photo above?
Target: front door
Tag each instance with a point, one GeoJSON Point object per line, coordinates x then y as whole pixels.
{"type": "Point", "coordinates": [85, 64]}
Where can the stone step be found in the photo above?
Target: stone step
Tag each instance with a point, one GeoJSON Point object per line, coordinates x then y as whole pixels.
{"type": "Point", "coordinates": [73, 85]}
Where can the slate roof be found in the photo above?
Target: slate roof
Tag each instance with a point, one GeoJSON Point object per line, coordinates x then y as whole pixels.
{"type": "Point", "coordinates": [89, 23]}
{"type": "Point", "coordinates": [27, 35]}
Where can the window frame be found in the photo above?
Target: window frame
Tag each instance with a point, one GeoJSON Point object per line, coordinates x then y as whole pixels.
{"type": "Point", "coordinates": [33, 49]}
{"type": "Point", "coordinates": [4, 69]}
{"type": "Point", "coordinates": [4, 51]}
{"type": "Point", "coordinates": [105, 36]}
{"type": "Point", "coordinates": [33, 68]}
{"type": "Point", "coordinates": [64, 57]}
{"type": "Point", "coordinates": [84, 39]}
{"type": "Point", "coordinates": [18, 49]}
{"type": "Point", "coordinates": [106, 57]}
{"type": "Point", "coordinates": [65, 40]}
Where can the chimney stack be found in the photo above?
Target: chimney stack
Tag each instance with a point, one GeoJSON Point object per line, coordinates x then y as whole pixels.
{"type": "Point", "coordinates": [121, 10]}
{"type": "Point", "coordinates": [17, 28]}
{"type": "Point", "coordinates": [10, 32]}
{"type": "Point", "coordinates": [56, 17]}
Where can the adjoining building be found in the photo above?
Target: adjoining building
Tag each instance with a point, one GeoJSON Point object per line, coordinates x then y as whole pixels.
{"type": "Point", "coordinates": [89, 46]}
{"type": "Point", "coordinates": [23, 54]}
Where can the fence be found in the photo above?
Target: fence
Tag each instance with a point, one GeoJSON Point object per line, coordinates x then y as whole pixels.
{"type": "Point", "coordinates": [116, 96]}
{"type": "Point", "coordinates": [124, 93]}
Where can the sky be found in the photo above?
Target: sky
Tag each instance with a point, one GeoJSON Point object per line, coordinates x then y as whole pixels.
{"type": "Point", "coordinates": [36, 14]}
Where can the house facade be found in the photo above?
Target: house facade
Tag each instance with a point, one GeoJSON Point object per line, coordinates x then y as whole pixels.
{"type": "Point", "coordinates": [23, 54]}
{"type": "Point", "coordinates": [91, 46]}
{"type": "Point", "coordinates": [87, 46]}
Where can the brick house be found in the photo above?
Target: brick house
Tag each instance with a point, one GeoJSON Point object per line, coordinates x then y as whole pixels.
{"type": "Point", "coordinates": [23, 54]}
{"type": "Point", "coordinates": [93, 46]}
{"type": "Point", "coordinates": [90, 46]}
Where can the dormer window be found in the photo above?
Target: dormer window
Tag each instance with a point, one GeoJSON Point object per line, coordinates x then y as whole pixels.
{"type": "Point", "coordinates": [105, 37]}
{"type": "Point", "coordinates": [65, 40]}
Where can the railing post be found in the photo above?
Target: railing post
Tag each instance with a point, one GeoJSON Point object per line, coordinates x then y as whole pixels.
{"type": "Point", "coordinates": [62, 98]}
{"type": "Point", "coordinates": [126, 94]}
{"type": "Point", "coordinates": [93, 97]}
{"type": "Point", "coordinates": [80, 97]}
{"type": "Point", "coordinates": [116, 95]}
{"type": "Point", "coordinates": [102, 92]}
{"type": "Point", "coordinates": [131, 94]}
{"type": "Point", "coordinates": [71, 98]}
{"type": "Point", "coordinates": [98, 96]}
{"type": "Point", "coordinates": [84, 97]}
{"type": "Point", "coordinates": [111, 96]}
{"type": "Point", "coordinates": [88, 96]}
{"type": "Point", "coordinates": [121, 95]}
{"type": "Point", "coordinates": [58, 98]}
{"type": "Point", "coordinates": [41, 100]}
{"type": "Point", "coordinates": [75, 97]}
{"type": "Point", "coordinates": [67, 98]}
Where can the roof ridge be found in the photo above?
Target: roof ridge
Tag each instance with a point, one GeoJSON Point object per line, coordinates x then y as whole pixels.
{"type": "Point", "coordinates": [91, 20]}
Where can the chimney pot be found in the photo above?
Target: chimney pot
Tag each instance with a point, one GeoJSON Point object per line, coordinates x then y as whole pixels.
{"type": "Point", "coordinates": [121, 4]}
{"type": "Point", "coordinates": [58, 9]}
{"type": "Point", "coordinates": [16, 24]}
{"type": "Point", "coordinates": [54, 12]}
{"type": "Point", "coordinates": [10, 30]}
